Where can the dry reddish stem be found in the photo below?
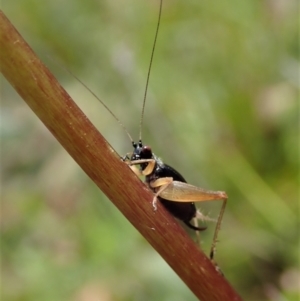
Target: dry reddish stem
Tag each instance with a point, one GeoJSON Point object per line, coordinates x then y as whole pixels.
{"type": "Point", "coordinates": [49, 101]}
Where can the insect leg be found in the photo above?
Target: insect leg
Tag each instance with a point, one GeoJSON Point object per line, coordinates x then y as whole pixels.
{"type": "Point", "coordinates": [200, 215]}
{"type": "Point", "coordinates": [136, 170]}
{"type": "Point", "coordinates": [149, 168]}
{"type": "Point", "coordinates": [217, 229]}
{"type": "Point", "coordinates": [195, 220]}
{"type": "Point", "coordinates": [126, 157]}
{"type": "Point", "coordinates": [163, 184]}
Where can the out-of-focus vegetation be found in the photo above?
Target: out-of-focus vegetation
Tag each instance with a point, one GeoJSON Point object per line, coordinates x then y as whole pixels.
{"type": "Point", "coordinates": [222, 109]}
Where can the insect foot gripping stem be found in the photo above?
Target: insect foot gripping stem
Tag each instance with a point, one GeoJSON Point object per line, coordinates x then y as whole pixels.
{"type": "Point", "coordinates": [218, 269]}
{"type": "Point", "coordinates": [154, 203]}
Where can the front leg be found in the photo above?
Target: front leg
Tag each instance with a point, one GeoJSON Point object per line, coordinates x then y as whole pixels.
{"type": "Point", "coordinates": [126, 157]}
{"type": "Point", "coordinates": [149, 168]}
{"type": "Point", "coordinates": [136, 170]}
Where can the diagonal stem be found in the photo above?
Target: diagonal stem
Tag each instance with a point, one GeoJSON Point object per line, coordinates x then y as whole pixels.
{"type": "Point", "coordinates": [49, 101]}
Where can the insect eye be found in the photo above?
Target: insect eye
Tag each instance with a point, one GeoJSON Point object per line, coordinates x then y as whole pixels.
{"type": "Point", "coordinates": [147, 148]}
{"type": "Point", "coordinates": [146, 152]}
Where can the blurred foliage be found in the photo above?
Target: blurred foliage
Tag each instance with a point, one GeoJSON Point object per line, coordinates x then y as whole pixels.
{"type": "Point", "coordinates": [222, 108]}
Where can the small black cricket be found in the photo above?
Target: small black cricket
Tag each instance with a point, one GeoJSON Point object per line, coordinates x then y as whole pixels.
{"type": "Point", "coordinates": [168, 185]}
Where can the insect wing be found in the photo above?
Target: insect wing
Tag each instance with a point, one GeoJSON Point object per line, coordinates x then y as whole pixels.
{"type": "Point", "coordinates": [183, 192]}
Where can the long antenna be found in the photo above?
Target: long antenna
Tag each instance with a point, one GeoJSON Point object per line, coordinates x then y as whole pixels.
{"type": "Point", "coordinates": [149, 70]}
{"type": "Point", "coordinates": [104, 105]}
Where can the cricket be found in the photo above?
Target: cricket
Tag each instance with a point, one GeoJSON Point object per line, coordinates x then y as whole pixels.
{"type": "Point", "coordinates": [168, 185]}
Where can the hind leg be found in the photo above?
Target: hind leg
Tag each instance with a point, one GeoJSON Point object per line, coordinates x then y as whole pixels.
{"type": "Point", "coordinates": [195, 220]}
{"type": "Point", "coordinates": [200, 216]}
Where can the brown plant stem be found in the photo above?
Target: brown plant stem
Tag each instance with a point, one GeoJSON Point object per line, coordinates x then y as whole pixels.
{"type": "Point", "coordinates": [49, 101]}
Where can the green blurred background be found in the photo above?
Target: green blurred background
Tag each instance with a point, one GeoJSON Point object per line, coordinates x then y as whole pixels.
{"type": "Point", "coordinates": [222, 109]}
